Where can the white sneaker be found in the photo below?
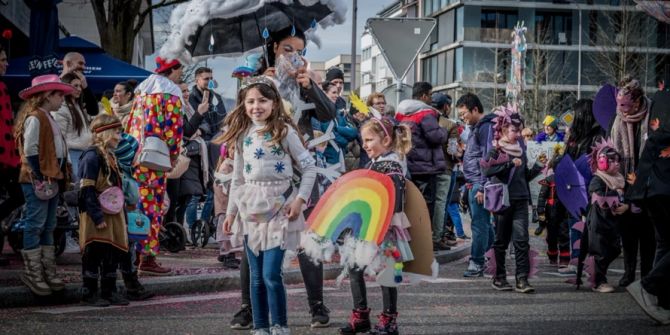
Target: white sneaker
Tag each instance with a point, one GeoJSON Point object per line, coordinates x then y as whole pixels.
{"type": "Point", "coordinates": [603, 288]}
{"type": "Point", "coordinates": [263, 331]}
{"type": "Point", "coordinates": [279, 330]}
{"type": "Point", "coordinates": [648, 302]}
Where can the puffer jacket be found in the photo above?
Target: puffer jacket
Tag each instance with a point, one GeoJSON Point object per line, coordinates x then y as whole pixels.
{"type": "Point", "coordinates": [426, 156]}
{"type": "Point", "coordinates": [479, 144]}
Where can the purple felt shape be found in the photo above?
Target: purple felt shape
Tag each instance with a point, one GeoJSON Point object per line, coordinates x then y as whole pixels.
{"type": "Point", "coordinates": [571, 187]}
{"type": "Point", "coordinates": [604, 106]}
{"type": "Point", "coordinates": [578, 226]}
{"type": "Point", "coordinates": [577, 244]}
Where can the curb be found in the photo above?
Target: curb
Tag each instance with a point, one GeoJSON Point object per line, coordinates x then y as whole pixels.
{"type": "Point", "coordinates": [21, 296]}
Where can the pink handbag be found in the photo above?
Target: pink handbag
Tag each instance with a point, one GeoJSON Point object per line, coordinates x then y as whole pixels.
{"type": "Point", "coordinates": [111, 200]}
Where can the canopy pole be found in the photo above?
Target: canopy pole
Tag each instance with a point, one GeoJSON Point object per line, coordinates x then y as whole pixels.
{"type": "Point", "coordinates": [260, 34]}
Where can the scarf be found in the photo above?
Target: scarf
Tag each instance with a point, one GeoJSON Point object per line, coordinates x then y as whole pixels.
{"type": "Point", "coordinates": [623, 134]}
{"type": "Point", "coordinates": [512, 149]}
{"type": "Point", "coordinates": [121, 110]}
{"type": "Point", "coordinates": [613, 182]}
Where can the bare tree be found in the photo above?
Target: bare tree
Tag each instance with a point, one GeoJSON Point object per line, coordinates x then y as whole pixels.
{"type": "Point", "coordinates": [620, 38]}
{"type": "Point", "coordinates": [120, 21]}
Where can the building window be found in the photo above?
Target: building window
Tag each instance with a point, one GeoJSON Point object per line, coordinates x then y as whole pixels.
{"type": "Point", "coordinates": [553, 27]}
{"type": "Point", "coordinates": [500, 19]}
{"type": "Point", "coordinates": [367, 53]}
{"type": "Point", "coordinates": [431, 7]}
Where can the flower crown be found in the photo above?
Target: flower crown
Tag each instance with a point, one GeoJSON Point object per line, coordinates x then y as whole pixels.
{"type": "Point", "coordinates": [258, 80]}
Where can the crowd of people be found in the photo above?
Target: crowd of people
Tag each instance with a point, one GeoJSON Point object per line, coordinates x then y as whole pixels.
{"type": "Point", "coordinates": [166, 147]}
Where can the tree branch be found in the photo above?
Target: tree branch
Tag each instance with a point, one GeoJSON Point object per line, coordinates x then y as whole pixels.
{"type": "Point", "coordinates": [141, 17]}
{"type": "Point", "coordinates": [99, 11]}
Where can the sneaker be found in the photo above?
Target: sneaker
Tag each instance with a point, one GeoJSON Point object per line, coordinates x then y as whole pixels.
{"type": "Point", "coordinates": [94, 301]}
{"type": "Point", "coordinates": [262, 331]}
{"type": "Point", "coordinates": [279, 330]}
{"type": "Point", "coordinates": [501, 285]}
{"type": "Point", "coordinates": [567, 269]}
{"type": "Point", "coordinates": [474, 270]}
{"type": "Point", "coordinates": [465, 237]}
{"type": "Point", "coordinates": [117, 300]}
{"type": "Point", "coordinates": [523, 286]}
{"type": "Point", "coordinates": [242, 319]}
{"type": "Point", "coordinates": [150, 267]}
{"type": "Point", "coordinates": [320, 318]}
{"type": "Point", "coordinates": [440, 246]}
{"type": "Point", "coordinates": [649, 303]}
{"type": "Point", "coordinates": [603, 288]}
{"type": "Point", "coordinates": [229, 261]}
{"type": "Point", "coordinates": [539, 230]}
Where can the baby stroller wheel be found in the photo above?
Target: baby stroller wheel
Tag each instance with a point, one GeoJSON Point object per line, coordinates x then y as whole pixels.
{"type": "Point", "coordinates": [200, 232]}
{"type": "Point", "coordinates": [172, 237]}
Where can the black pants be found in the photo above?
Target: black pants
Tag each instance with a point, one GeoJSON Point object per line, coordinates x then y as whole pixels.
{"type": "Point", "coordinates": [558, 238]}
{"type": "Point", "coordinates": [601, 240]}
{"type": "Point", "coordinates": [657, 282]}
{"type": "Point", "coordinates": [178, 202]}
{"type": "Point", "coordinates": [427, 184]}
{"type": "Point", "coordinates": [512, 225]}
{"type": "Point", "coordinates": [10, 183]}
{"type": "Point", "coordinates": [100, 261]}
{"type": "Point", "coordinates": [637, 231]}
{"type": "Point", "coordinates": [359, 292]}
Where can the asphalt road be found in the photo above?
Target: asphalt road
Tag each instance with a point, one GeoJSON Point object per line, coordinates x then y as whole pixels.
{"type": "Point", "coordinates": [449, 305]}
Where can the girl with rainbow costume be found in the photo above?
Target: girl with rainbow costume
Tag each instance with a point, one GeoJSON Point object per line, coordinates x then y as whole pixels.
{"type": "Point", "coordinates": [380, 234]}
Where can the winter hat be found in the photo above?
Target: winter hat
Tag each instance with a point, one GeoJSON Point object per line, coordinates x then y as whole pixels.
{"type": "Point", "coordinates": [334, 73]}
{"type": "Point", "coordinates": [440, 99]}
{"type": "Point", "coordinates": [551, 122]}
{"type": "Point", "coordinates": [125, 151]}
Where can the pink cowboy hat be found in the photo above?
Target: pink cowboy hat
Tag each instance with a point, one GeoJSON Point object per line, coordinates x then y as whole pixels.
{"type": "Point", "coordinates": [45, 83]}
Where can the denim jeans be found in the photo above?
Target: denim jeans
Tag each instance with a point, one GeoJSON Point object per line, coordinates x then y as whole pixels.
{"type": "Point", "coordinates": [39, 219]}
{"type": "Point", "coordinates": [268, 295]}
{"type": "Point", "coordinates": [455, 215]}
{"type": "Point", "coordinates": [482, 229]}
{"type": "Point", "coordinates": [192, 208]}
{"type": "Point", "coordinates": [443, 182]}
{"type": "Point", "coordinates": [75, 156]}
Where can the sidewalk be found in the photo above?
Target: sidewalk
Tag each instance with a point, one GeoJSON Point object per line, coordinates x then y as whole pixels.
{"type": "Point", "coordinates": [194, 271]}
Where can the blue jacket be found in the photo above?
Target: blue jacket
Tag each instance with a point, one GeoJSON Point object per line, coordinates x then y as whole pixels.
{"type": "Point", "coordinates": [542, 136]}
{"type": "Point", "coordinates": [344, 133]}
{"type": "Point", "coordinates": [480, 142]}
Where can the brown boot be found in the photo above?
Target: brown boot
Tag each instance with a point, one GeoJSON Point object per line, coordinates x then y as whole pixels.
{"type": "Point", "coordinates": [49, 263]}
{"type": "Point", "coordinates": [33, 274]}
{"type": "Point", "coordinates": [150, 267]}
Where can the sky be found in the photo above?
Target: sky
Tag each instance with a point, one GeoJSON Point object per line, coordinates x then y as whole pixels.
{"type": "Point", "coordinates": [335, 40]}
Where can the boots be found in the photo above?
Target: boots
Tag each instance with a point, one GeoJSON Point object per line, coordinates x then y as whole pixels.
{"type": "Point", "coordinates": [49, 263]}
{"type": "Point", "coordinates": [149, 266]}
{"type": "Point", "coordinates": [134, 289]}
{"type": "Point", "coordinates": [359, 322]}
{"type": "Point", "coordinates": [386, 325]}
{"type": "Point", "coordinates": [110, 293]}
{"type": "Point", "coordinates": [33, 273]}
{"type": "Point", "coordinates": [229, 261]}
{"type": "Point", "coordinates": [89, 294]}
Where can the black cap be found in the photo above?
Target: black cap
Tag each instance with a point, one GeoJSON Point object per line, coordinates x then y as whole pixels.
{"type": "Point", "coordinates": [440, 99]}
{"type": "Point", "coordinates": [334, 73]}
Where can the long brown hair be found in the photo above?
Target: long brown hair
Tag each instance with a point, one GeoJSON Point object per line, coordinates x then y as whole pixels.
{"type": "Point", "coordinates": [237, 122]}
{"type": "Point", "coordinates": [101, 139]}
{"type": "Point", "coordinates": [72, 104]}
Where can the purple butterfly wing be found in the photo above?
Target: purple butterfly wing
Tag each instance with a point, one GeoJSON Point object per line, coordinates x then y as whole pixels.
{"type": "Point", "coordinates": [604, 106]}
{"type": "Point", "coordinates": [571, 187]}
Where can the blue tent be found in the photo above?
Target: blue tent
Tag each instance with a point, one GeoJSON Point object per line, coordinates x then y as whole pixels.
{"type": "Point", "coordinates": [102, 70]}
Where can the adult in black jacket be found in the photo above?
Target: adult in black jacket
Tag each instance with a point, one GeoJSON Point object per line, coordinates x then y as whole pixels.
{"type": "Point", "coordinates": [216, 112]}
{"type": "Point", "coordinates": [191, 183]}
{"type": "Point", "coordinates": [652, 189]}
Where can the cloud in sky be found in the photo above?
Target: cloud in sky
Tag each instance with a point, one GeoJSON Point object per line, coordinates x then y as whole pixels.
{"type": "Point", "coordinates": [335, 40]}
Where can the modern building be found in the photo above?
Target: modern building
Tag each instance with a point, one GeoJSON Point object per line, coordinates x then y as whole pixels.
{"type": "Point", "coordinates": [343, 62]}
{"type": "Point", "coordinates": [573, 47]}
